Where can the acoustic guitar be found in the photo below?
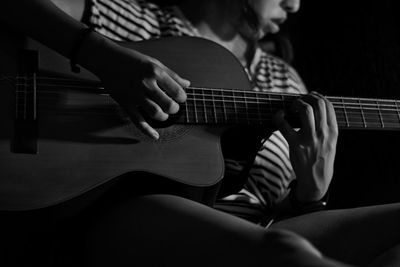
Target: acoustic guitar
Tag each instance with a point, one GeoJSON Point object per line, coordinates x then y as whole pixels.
{"type": "Point", "coordinates": [63, 135]}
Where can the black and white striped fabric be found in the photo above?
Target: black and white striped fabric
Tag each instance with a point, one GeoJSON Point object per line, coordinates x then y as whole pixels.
{"type": "Point", "coordinates": [136, 20]}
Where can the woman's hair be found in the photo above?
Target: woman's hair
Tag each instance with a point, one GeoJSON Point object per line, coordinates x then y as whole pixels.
{"type": "Point", "coordinates": [249, 15]}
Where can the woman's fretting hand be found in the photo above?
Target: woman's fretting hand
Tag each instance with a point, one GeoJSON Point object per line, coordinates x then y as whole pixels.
{"type": "Point", "coordinates": [313, 147]}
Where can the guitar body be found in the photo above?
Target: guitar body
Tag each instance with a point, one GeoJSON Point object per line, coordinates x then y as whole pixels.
{"type": "Point", "coordinates": [83, 139]}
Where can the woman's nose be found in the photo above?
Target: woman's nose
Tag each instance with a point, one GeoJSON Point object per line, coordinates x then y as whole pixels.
{"type": "Point", "coordinates": [291, 6]}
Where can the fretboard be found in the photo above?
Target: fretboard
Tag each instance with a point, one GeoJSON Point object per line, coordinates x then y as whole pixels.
{"type": "Point", "coordinates": [219, 106]}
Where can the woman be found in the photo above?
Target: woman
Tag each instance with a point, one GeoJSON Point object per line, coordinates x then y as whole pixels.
{"type": "Point", "coordinates": [166, 230]}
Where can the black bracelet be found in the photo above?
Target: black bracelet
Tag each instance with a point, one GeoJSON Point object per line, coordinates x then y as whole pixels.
{"type": "Point", "coordinates": [74, 53]}
{"type": "Point", "coordinates": [305, 207]}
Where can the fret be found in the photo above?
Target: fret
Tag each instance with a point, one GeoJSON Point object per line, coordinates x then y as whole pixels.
{"type": "Point", "coordinates": [214, 108]}
{"type": "Point", "coordinates": [397, 110]}
{"type": "Point", "coordinates": [219, 107]}
{"type": "Point", "coordinates": [380, 114]}
{"type": "Point", "coordinates": [235, 107]}
{"type": "Point", "coordinates": [224, 108]}
{"type": "Point", "coordinates": [362, 114]}
{"type": "Point", "coordinates": [229, 106]}
{"type": "Point", "coordinates": [210, 107]}
{"type": "Point", "coordinates": [345, 113]}
{"type": "Point", "coordinates": [372, 114]}
{"type": "Point", "coordinates": [187, 111]}
{"type": "Point", "coordinates": [258, 109]}
{"type": "Point", "coordinates": [247, 110]}
{"type": "Point", "coordinates": [196, 118]}
{"type": "Point", "coordinates": [253, 108]}
{"type": "Point", "coordinates": [389, 113]}
{"type": "Point", "coordinates": [191, 107]}
{"type": "Point", "coordinates": [270, 105]}
{"type": "Point", "coordinates": [241, 104]}
{"type": "Point", "coordinates": [204, 106]}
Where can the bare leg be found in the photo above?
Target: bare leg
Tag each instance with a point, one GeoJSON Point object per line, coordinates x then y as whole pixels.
{"type": "Point", "coordinates": [390, 258]}
{"type": "Point", "coordinates": [163, 230]}
{"type": "Point", "coordinates": [357, 236]}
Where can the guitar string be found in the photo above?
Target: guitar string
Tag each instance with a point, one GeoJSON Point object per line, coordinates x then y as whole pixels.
{"type": "Point", "coordinates": [344, 123]}
{"type": "Point", "coordinates": [270, 109]}
{"type": "Point", "coordinates": [233, 94]}
{"type": "Point", "coordinates": [350, 118]}
{"type": "Point", "coordinates": [259, 102]}
{"type": "Point", "coordinates": [349, 115]}
{"type": "Point", "coordinates": [202, 88]}
{"type": "Point", "coordinates": [242, 91]}
{"type": "Point", "coordinates": [211, 89]}
{"type": "Point", "coordinates": [381, 101]}
{"type": "Point", "coordinates": [221, 115]}
{"type": "Point", "coordinates": [255, 93]}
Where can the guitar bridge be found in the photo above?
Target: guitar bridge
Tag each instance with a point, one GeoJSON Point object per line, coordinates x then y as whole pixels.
{"type": "Point", "coordinates": [25, 124]}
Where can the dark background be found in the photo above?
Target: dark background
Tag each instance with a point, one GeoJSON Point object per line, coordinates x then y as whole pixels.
{"type": "Point", "coordinates": [352, 48]}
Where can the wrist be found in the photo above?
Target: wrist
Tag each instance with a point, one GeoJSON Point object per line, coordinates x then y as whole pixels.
{"type": "Point", "coordinates": [307, 191]}
{"type": "Point", "coordinates": [306, 204]}
{"type": "Point", "coordinates": [77, 46]}
{"type": "Point", "coordinates": [305, 196]}
{"type": "Point", "coordinates": [92, 48]}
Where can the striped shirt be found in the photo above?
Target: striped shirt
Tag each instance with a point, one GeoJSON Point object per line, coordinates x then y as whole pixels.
{"type": "Point", "coordinates": [268, 179]}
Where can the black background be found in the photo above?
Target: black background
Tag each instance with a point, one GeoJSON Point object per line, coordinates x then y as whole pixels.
{"type": "Point", "coordinates": [352, 48]}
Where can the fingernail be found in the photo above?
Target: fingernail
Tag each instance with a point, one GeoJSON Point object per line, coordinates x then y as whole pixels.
{"type": "Point", "coordinates": [187, 83]}
{"type": "Point", "coordinates": [155, 135]}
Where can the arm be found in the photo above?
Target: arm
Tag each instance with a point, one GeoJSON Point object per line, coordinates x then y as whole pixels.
{"type": "Point", "coordinates": [153, 87]}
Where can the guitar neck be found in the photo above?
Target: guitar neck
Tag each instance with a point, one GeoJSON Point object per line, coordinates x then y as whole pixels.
{"type": "Point", "coordinates": [219, 106]}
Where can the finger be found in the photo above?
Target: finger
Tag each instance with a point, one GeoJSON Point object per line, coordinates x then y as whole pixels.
{"type": "Point", "coordinates": [141, 123]}
{"type": "Point", "coordinates": [284, 127]}
{"type": "Point", "coordinates": [172, 87]}
{"type": "Point", "coordinates": [155, 93]}
{"type": "Point", "coordinates": [153, 110]}
{"type": "Point", "coordinates": [330, 113]}
{"type": "Point", "coordinates": [306, 115]}
{"type": "Point", "coordinates": [318, 103]}
{"type": "Point", "coordinates": [331, 118]}
{"type": "Point", "coordinates": [182, 82]}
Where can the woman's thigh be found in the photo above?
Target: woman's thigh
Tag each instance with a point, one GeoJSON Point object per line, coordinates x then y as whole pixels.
{"type": "Point", "coordinates": [356, 235]}
{"type": "Point", "coordinates": [159, 230]}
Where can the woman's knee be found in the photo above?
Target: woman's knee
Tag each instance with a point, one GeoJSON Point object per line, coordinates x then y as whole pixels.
{"type": "Point", "coordinates": [293, 247]}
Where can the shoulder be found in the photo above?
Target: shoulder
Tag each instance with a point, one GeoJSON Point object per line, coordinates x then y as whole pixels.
{"type": "Point", "coordinates": [131, 20]}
